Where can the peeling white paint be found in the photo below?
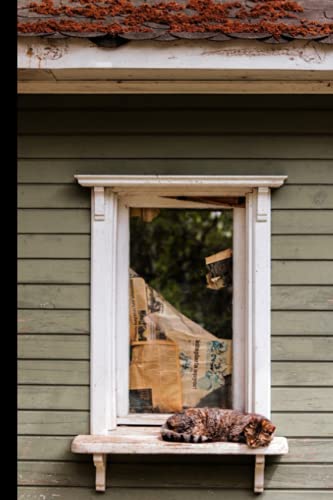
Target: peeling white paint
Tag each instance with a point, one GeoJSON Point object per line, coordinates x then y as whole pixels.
{"type": "Point", "coordinates": [248, 55]}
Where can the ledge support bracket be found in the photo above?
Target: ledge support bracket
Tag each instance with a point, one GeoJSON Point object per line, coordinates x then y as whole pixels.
{"type": "Point", "coordinates": [259, 475]}
{"type": "Point", "coordinates": [99, 203]}
{"type": "Point", "coordinates": [100, 464]}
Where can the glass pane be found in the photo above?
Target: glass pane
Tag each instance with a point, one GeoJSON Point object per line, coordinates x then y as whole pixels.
{"type": "Point", "coordinates": [180, 309]}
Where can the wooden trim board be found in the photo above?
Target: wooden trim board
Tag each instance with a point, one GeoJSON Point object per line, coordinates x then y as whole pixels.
{"type": "Point", "coordinates": [172, 182]}
{"type": "Point", "coordinates": [187, 66]}
{"type": "Point", "coordinates": [146, 440]}
{"type": "Point", "coordinates": [175, 87]}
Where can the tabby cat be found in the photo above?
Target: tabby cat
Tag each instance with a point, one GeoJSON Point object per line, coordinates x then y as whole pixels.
{"type": "Point", "coordinates": [198, 425]}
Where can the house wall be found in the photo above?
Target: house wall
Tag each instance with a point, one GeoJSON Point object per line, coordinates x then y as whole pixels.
{"type": "Point", "coordinates": [64, 135]}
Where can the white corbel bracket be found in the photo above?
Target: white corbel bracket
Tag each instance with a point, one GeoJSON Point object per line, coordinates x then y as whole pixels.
{"type": "Point", "coordinates": [259, 475]}
{"type": "Point", "coordinates": [100, 464]}
{"type": "Point", "coordinates": [263, 205]}
{"type": "Point", "coordinates": [99, 203]}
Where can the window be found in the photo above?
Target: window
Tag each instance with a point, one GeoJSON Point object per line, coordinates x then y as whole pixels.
{"type": "Point", "coordinates": [181, 307]}
{"type": "Point", "coordinates": [113, 199]}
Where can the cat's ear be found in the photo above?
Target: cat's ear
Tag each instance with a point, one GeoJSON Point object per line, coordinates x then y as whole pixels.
{"type": "Point", "coordinates": [268, 426]}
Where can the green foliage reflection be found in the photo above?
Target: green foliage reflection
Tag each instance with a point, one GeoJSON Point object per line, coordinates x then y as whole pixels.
{"type": "Point", "coordinates": [169, 253]}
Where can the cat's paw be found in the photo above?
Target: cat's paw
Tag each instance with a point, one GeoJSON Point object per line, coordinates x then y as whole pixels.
{"type": "Point", "coordinates": [191, 438]}
{"type": "Point", "coordinates": [197, 438]}
{"type": "Point", "coordinates": [204, 439]}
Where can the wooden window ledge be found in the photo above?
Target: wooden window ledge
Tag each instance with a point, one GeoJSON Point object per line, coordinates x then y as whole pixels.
{"type": "Point", "coordinates": [147, 440]}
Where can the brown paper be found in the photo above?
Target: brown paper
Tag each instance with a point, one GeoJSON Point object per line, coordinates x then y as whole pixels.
{"type": "Point", "coordinates": [155, 366]}
{"type": "Point", "coordinates": [163, 342]}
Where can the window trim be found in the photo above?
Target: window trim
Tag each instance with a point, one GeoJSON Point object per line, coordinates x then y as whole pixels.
{"type": "Point", "coordinates": [110, 246]}
{"type": "Point", "coordinates": [122, 342]}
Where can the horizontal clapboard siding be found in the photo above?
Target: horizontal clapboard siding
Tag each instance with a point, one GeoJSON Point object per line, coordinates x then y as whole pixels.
{"type": "Point", "coordinates": [71, 271]}
{"type": "Point", "coordinates": [69, 246]}
{"type": "Point", "coordinates": [45, 397]}
{"type": "Point", "coordinates": [94, 122]}
{"type": "Point", "coordinates": [69, 423]}
{"type": "Point", "coordinates": [52, 321]}
{"type": "Point", "coordinates": [54, 372]}
{"type": "Point", "coordinates": [73, 196]}
{"type": "Point", "coordinates": [61, 171]}
{"type": "Point", "coordinates": [78, 271]}
{"type": "Point", "coordinates": [64, 372]}
{"type": "Point", "coordinates": [47, 246]}
{"type": "Point", "coordinates": [77, 221]}
{"type": "Point", "coordinates": [36, 493]}
{"type": "Point", "coordinates": [54, 221]}
{"type": "Point", "coordinates": [59, 423]}
{"type": "Point", "coordinates": [59, 296]}
{"type": "Point", "coordinates": [77, 321]}
{"type": "Point", "coordinates": [254, 135]}
{"type": "Point", "coordinates": [302, 273]}
{"type": "Point", "coordinates": [53, 347]}
{"type": "Point", "coordinates": [51, 447]}
{"type": "Point", "coordinates": [153, 475]}
{"type": "Point", "coordinates": [175, 146]}
{"type": "Point", "coordinates": [284, 348]}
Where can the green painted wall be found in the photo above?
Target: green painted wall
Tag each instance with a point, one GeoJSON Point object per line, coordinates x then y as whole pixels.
{"type": "Point", "coordinates": [65, 135]}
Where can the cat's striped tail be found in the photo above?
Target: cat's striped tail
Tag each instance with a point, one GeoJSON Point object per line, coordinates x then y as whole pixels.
{"type": "Point", "coordinates": [170, 435]}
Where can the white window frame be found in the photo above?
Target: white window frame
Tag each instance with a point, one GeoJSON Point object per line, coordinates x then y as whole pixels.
{"type": "Point", "coordinates": [112, 195]}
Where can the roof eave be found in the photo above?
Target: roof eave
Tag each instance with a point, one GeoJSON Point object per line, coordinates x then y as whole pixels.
{"type": "Point", "coordinates": [73, 65]}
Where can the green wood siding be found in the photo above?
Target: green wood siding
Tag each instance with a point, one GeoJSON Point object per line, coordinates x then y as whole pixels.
{"type": "Point", "coordinates": [175, 146]}
{"type": "Point", "coordinates": [64, 135]}
{"type": "Point", "coordinates": [74, 372]}
{"type": "Point", "coordinates": [73, 271]}
{"type": "Point", "coordinates": [68, 423]}
{"type": "Point", "coordinates": [33, 493]}
{"type": "Point", "coordinates": [190, 121]}
{"type": "Point", "coordinates": [45, 397]}
{"type": "Point", "coordinates": [277, 476]}
{"type": "Point", "coordinates": [55, 171]}
{"type": "Point", "coordinates": [51, 448]}
{"type": "Point", "coordinates": [61, 246]}
{"type": "Point", "coordinates": [53, 372]}
{"type": "Point", "coordinates": [77, 221]}
{"type": "Point", "coordinates": [50, 321]}
{"type": "Point", "coordinates": [77, 297]}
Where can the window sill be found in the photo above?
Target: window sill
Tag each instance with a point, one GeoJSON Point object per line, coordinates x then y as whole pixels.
{"type": "Point", "coordinates": [147, 440]}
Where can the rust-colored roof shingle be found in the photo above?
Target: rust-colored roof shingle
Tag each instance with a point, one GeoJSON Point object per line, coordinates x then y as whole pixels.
{"type": "Point", "coordinates": [272, 21]}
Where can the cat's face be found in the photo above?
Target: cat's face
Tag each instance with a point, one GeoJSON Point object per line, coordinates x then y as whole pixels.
{"type": "Point", "coordinates": [179, 422]}
{"type": "Point", "coordinates": [259, 433]}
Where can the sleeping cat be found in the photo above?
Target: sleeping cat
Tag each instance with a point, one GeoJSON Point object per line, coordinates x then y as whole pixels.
{"type": "Point", "coordinates": [198, 425]}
